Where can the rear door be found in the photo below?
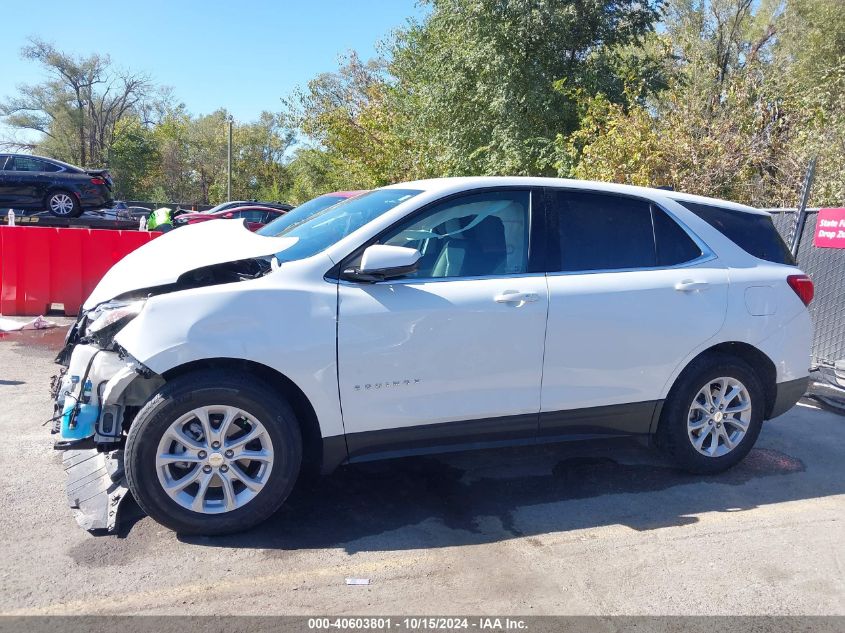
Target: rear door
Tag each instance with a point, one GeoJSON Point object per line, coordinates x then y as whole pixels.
{"type": "Point", "coordinates": [631, 294]}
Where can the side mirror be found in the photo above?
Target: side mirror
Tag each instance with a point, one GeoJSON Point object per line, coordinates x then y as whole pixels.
{"type": "Point", "coordinates": [227, 215]}
{"type": "Point", "coordinates": [380, 262]}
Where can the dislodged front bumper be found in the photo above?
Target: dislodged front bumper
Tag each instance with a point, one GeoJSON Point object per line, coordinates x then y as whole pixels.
{"type": "Point", "coordinates": [96, 485]}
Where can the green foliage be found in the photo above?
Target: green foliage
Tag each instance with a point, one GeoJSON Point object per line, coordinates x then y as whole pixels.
{"type": "Point", "coordinates": [729, 98]}
{"type": "Point", "coordinates": [489, 84]}
{"type": "Point", "coordinates": [89, 113]}
{"type": "Point", "coordinates": [78, 110]}
{"type": "Point", "coordinates": [754, 92]}
{"type": "Point", "coordinates": [133, 159]}
{"type": "Point", "coordinates": [352, 115]}
{"type": "Point", "coordinates": [258, 170]}
{"type": "Point", "coordinates": [311, 173]}
{"type": "Point", "coordinates": [478, 87]}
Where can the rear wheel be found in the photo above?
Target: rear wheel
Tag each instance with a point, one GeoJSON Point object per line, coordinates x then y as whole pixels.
{"type": "Point", "coordinates": [63, 204]}
{"type": "Point", "coordinates": [713, 414]}
{"type": "Point", "coordinates": [213, 454]}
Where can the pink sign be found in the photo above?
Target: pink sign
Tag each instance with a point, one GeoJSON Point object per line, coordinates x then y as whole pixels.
{"type": "Point", "coordinates": [830, 229]}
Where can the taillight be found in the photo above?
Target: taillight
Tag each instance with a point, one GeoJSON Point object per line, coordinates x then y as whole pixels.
{"type": "Point", "coordinates": [803, 287]}
{"type": "Point", "coordinates": [98, 181]}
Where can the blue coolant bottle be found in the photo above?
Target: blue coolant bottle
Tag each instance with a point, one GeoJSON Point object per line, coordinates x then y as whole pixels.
{"type": "Point", "coordinates": [82, 425]}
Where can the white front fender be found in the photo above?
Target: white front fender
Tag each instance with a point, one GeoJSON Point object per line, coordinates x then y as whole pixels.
{"type": "Point", "coordinates": [280, 321]}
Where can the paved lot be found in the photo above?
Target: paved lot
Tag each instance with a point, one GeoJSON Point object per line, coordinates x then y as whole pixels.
{"type": "Point", "coordinates": [552, 530]}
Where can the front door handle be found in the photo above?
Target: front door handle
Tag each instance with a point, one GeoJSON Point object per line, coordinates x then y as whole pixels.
{"type": "Point", "coordinates": [688, 285]}
{"type": "Point", "coordinates": [514, 297]}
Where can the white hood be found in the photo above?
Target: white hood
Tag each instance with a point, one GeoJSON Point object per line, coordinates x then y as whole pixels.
{"type": "Point", "coordinates": [164, 259]}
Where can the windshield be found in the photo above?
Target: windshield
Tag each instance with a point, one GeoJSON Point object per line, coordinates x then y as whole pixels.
{"type": "Point", "coordinates": [306, 209]}
{"type": "Point", "coordinates": [318, 229]}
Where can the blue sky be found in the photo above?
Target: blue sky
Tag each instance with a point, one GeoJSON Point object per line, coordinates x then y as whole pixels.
{"type": "Point", "coordinates": [243, 55]}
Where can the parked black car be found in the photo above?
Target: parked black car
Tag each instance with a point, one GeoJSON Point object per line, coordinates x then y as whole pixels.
{"type": "Point", "coordinates": [39, 184]}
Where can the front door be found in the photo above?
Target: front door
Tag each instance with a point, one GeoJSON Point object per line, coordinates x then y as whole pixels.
{"type": "Point", "coordinates": [632, 293]}
{"type": "Point", "coordinates": [453, 353]}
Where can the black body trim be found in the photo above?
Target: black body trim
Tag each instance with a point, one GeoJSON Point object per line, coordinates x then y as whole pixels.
{"type": "Point", "coordinates": [634, 419]}
{"type": "Point", "coordinates": [334, 453]}
{"type": "Point", "coordinates": [788, 393]}
{"type": "Point", "coordinates": [436, 438]}
{"type": "Point", "coordinates": [615, 419]}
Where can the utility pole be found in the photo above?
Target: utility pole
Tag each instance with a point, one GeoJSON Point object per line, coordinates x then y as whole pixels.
{"type": "Point", "coordinates": [229, 120]}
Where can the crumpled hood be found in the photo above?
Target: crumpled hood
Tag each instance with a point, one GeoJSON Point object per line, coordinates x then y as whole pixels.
{"type": "Point", "coordinates": [165, 258]}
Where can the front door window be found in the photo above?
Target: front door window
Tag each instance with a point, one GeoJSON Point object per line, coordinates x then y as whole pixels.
{"type": "Point", "coordinates": [474, 236]}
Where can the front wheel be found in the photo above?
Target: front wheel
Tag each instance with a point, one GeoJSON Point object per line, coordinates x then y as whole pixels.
{"type": "Point", "coordinates": [713, 414]}
{"type": "Point", "coordinates": [213, 453]}
{"type": "Point", "coordinates": [63, 204]}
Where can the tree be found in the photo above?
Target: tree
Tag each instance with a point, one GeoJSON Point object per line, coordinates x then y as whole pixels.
{"type": "Point", "coordinates": [353, 118]}
{"type": "Point", "coordinates": [748, 103]}
{"type": "Point", "coordinates": [134, 159]}
{"type": "Point", "coordinates": [477, 87]}
{"type": "Point", "coordinates": [811, 49]}
{"type": "Point", "coordinates": [311, 173]}
{"type": "Point", "coordinates": [78, 109]}
{"type": "Point", "coordinates": [191, 157]}
{"type": "Point", "coordinates": [490, 84]}
{"type": "Point", "coordinates": [258, 170]}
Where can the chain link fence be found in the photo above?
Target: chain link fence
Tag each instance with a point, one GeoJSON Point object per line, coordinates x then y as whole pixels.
{"type": "Point", "coordinates": [826, 266]}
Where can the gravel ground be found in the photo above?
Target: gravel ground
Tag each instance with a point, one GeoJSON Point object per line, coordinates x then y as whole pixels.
{"type": "Point", "coordinates": [591, 529]}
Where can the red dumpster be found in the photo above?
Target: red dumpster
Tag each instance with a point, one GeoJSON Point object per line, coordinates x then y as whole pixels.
{"type": "Point", "coordinates": [44, 266]}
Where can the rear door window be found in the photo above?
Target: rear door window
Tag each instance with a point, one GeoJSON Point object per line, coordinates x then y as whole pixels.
{"type": "Point", "coordinates": [754, 233]}
{"type": "Point", "coordinates": [251, 215]}
{"type": "Point", "coordinates": [674, 246]}
{"type": "Point", "coordinates": [269, 216]}
{"type": "Point", "coordinates": [26, 163]}
{"type": "Point", "coordinates": [590, 231]}
{"type": "Point", "coordinates": [594, 231]}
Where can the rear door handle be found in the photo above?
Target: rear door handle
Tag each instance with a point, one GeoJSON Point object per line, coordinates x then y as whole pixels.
{"type": "Point", "coordinates": [516, 298]}
{"type": "Point", "coordinates": [688, 285]}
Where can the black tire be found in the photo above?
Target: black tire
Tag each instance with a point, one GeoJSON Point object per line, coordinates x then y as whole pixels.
{"type": "Point", "coordinates": [55, 195]}
{"type": "Point", "coordinates": [205, 388]}
{"type": "Point", "coordinates": [672, 433]}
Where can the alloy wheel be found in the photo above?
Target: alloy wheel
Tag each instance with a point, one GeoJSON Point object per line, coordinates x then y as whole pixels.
{"type": "Point", "coordinates": [61, 204]}
{"type": "Point", "coordinates": [214, 459]}
{"type": "Point", "coordinates": [719, 416]}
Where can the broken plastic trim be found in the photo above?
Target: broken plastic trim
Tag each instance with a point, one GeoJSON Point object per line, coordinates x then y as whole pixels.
{"type": "Point", "coordinates": [140, 368]}
{"type": "Point", "coordinates": [96, 486]}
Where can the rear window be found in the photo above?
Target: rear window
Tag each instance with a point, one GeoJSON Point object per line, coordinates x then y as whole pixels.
{"type": "Point", "coordinates": [754, 233]}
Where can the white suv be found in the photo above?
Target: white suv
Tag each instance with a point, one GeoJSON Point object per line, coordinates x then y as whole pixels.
{"type": "Point", "coordinates": [432, 316]}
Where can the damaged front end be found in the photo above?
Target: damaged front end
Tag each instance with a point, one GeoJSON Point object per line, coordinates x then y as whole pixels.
{"type": "Point", "coordinates": [101, 387]}
{"type": "Point", "coordinates": [95, 398]}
